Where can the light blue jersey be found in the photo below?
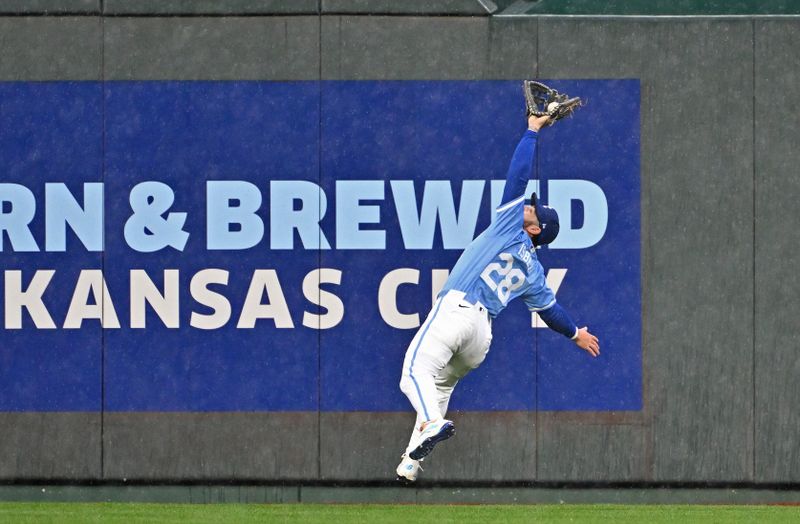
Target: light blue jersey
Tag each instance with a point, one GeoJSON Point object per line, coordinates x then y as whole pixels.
{"type": "Point", "coordinates": [501, 264]}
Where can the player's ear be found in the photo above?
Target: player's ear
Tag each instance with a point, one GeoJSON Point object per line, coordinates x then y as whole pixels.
{"type": "Point", "coordinates": [532, 229]}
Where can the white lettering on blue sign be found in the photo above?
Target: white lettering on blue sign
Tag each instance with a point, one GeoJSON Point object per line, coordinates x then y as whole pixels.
{"type": "Point", "coordinates": [62, 209]}
{"type": "Point", "coordinates": [147, 230]}
{"type": "Point", "coordinates": [595, 213]}
{"type": "Point", "coordinates": [231, 219]}
{"type": "Point", "coordinates": [297, 209]}
{"type": "Point", "coordinates": [17, 209]}
{"type": "Point", "coordinates": [351, 212]}
{"type": "Point", "coordinates": [418, 229]}
{"type": "Point", "coordinates": [285, 196]}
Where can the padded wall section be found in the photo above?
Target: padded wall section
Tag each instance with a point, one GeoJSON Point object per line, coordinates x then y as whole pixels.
{"type": "Point", "coordinates": [719, 289]}
{"type": "Point", "coordinates": [50, 133]}
{"type": "Point", "coordinates": [777, 227]}
{"type": "Point", "coordinates": [697, 194]}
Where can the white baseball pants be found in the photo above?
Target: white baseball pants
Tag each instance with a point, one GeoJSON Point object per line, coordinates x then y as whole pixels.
{"type": "Point", "coordinates": [453, 340]}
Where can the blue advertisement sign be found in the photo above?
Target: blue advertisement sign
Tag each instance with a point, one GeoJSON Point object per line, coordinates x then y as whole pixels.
{"type": "Point", "coordinates": [272, 246]}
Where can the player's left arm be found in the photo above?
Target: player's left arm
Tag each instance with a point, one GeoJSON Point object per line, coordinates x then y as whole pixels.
{"type": "Point", "coordinates": [541, 299]}
{"type": "Point", "coordinates": [557, 319]}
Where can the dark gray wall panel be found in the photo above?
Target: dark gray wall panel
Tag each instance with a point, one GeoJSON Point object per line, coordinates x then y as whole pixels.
{"type": "Point", "coordinates": [362, 445]}
{"type": "Point", "coordinates": [229, 7]}
{"type": "Point", "coordinates": [513, 48]}
{"type": "Point", "coordinates": [487, 446]}
{"type": "Point", "coordinates": [38, 48]}
{"type": "Point", "coordinates": [404, 48]}
{"type": "Point", "coordinates": [412, 7]}
{"type": "Point", "coordinates": [220, 48]}
{"type": "Point", "coordinates": [211, 445]}
{"type": "Point", "coordinates": [697, 256]}
{"type": "Point", "coordinates": [49, 6]}
{"type": "Point", "coordinates": [594, 450]}
{"type": "Point", "coordinates": [50, 445]}
{"type": "Point", "coordinates": [777, 147]}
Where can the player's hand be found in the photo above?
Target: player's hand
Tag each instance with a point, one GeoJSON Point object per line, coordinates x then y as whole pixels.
{"type": "Point", "coordinates": [588, 342]}
{"type": "Point", "coordinates": [535, 123]}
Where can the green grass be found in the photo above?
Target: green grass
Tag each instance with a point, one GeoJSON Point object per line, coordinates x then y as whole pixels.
{"type": "Point", "coordinates": [339, 513]}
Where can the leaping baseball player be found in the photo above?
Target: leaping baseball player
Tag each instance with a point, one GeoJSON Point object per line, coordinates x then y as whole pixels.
{"type": "Point", "coordinates": [497, 267]}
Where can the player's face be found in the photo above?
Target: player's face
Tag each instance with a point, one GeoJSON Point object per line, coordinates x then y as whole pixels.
{"type": "Point", "coordinates": [530, 216]}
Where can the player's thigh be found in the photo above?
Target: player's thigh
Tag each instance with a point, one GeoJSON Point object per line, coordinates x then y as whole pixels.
{"type": "Point", "coordinates": [435, 342]}
{"type": "Point", "coordinates": [473, 352]}
{"type": "Point", "coordinates": [469, 356]}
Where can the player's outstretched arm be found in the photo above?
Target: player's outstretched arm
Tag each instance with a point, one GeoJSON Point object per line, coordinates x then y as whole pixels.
{"type": "Point", "coordinates": [587, 342]}
{"type": "Point", "coordinates": [535, 123]}
{"type": "Point", "coordinates": [521, 167]}
{"type": "Point", "coordinates": [559, 321]}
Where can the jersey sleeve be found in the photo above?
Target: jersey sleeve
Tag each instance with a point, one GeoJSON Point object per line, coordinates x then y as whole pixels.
{"type": "Point", "coordinates": [520, 169]}
{"type": "Point", "coordinates": [539, 296]}
{"type": "Point", "coordinates": [509, 217]}
{"type": "Point", "coordinates": [541, 299]}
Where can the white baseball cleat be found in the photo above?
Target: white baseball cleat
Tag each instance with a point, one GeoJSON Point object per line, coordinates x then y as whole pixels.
{"type": "Point", "coordinates": [408, 469]}
{"type": "Point", "coordinates": [433, 432]}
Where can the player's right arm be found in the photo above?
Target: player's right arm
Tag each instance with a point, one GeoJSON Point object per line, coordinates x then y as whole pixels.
{"type": "Point", "coordinates": [509, 213]}
{"type": "Point", "coordinates": [521, 168]}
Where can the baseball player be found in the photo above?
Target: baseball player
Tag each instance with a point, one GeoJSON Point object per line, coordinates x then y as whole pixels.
{"type": "Point", "coordinates": [497, 267]}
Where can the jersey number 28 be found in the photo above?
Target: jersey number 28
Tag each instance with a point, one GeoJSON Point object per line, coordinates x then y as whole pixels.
{"type": "Point", "coordinates": [511, 277]}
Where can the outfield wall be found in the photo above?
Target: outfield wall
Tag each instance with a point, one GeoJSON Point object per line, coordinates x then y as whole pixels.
{"type": "Point", "coordinates": [719, 148]}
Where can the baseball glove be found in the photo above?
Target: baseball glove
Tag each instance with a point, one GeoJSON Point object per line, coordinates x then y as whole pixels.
{"type": "Point", "coordinates": [541, 100]}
